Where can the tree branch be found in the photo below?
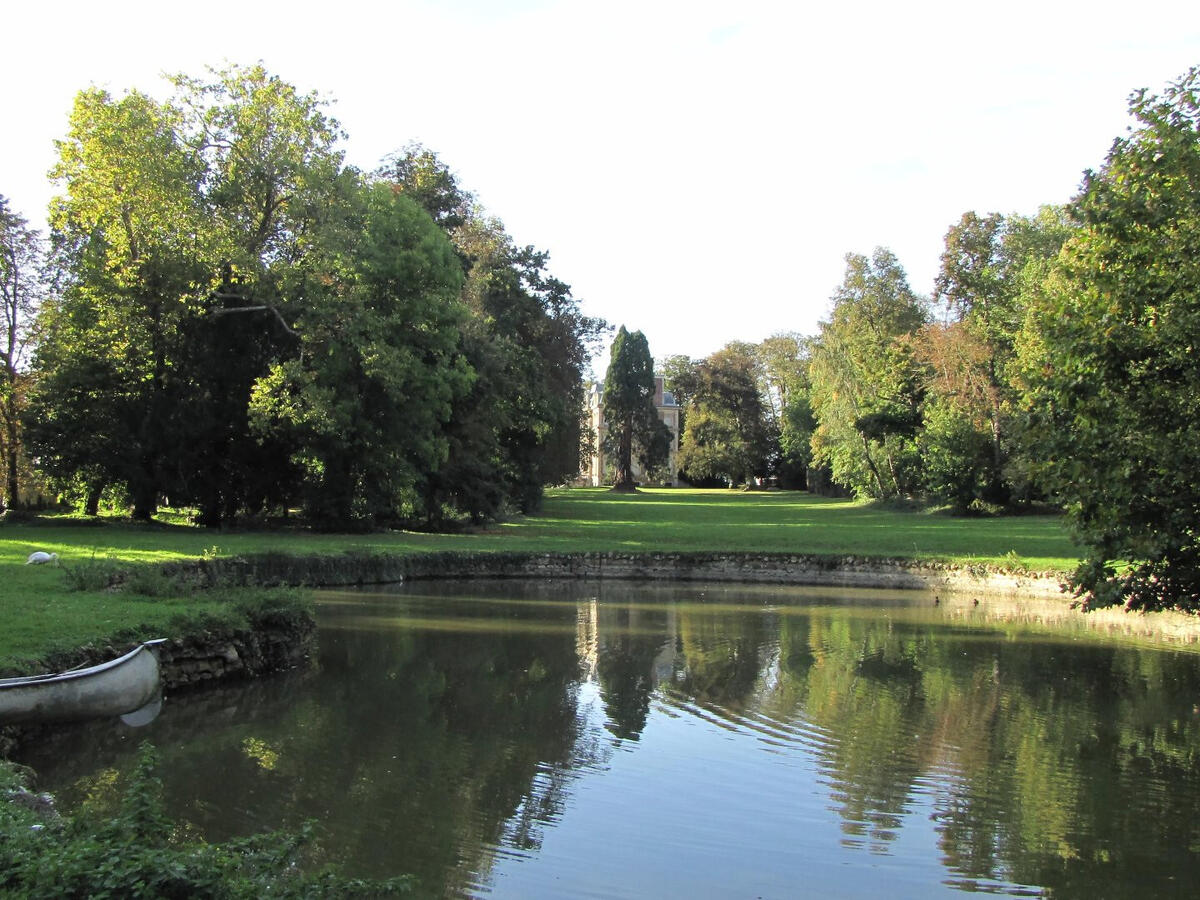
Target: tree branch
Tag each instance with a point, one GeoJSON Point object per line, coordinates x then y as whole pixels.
{"type": "Point", "coordinates": [239, 309]}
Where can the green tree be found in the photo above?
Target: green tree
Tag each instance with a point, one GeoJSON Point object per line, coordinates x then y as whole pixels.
{"type": "Point", "coordinates": [867, 382]}
{"type": "Point", "coordinates": [23, 281]}
{"type": "Point", "coordinates": [426, 179]}
{"type": "Point", "coordinates": [729, 432]}
{"type": "Point", "coordinates": [379, 368]}
{"type": "Point", "coordinates": [228, 275]}
{"type": "Point", "coordinates": [1114, 379]}
{"type": "Point", "coordinates": [190, 230]}
{"type": "Point", "coordinates": [629, 411]}
{"type": "Point", "coordinates": [132, 229]}
{"type": "Point", "coordinates": [276, 193]}
{"type": "Point", "coordinates": [784, 359]}
{"type": "Point", "coordinates": [519, 427]}
{"type": "Point", "coordinates": [987, 269]}
{"type": "Point", "coordinates": [679, 377]}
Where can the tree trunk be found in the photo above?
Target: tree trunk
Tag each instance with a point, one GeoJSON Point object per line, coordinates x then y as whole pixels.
{"type": "Point", "coordinates": [92, 504]}
{"type": "Point", "coordinates": [209, 514]}
{"type": "Point", "coordinates": [625, 458]}
{"type": "Point", "coordinates": [12, 499]}
{"type": "Point", "coordinates": [145, 503]}
{"type": "Point", "coordinates": [871, 465]}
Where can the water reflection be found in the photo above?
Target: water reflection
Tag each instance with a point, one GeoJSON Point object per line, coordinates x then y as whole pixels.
{"type": "Point", "coordinates": [557, 738]}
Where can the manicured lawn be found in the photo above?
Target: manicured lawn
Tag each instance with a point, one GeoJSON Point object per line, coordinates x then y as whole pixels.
{"type": "Point", "coordinates": [784, 522]}
{"type": "Point", "coordinates": [40, 614]}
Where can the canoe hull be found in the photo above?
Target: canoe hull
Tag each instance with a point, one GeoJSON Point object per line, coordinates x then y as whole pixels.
{"type": "Point", "coordinates": [110, 689]}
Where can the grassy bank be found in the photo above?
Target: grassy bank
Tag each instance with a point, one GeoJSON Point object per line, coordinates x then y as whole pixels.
{"type": "Point", "coordinates": [42, 613]}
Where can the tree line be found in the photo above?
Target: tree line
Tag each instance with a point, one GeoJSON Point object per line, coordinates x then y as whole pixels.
{"type": "Point", "coordinates": [897, 395]}
{"type": "Point", "coordinates": [1054, 362]}
{"type": "Point", "coordinates": [232, 318]}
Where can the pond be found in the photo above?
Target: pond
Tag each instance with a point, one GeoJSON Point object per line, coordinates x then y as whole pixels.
{"type": "Point", "coordinates": [557, 739]}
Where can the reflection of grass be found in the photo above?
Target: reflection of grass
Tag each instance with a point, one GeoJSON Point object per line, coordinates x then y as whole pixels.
{"type": "Point", "coordinates": [40, 613]}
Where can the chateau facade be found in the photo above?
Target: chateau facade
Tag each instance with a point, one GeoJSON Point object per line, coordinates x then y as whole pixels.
{"type": "Point", "coordinates": [598, 469]}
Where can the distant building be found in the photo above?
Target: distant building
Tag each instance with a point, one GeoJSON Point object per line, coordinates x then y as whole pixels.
{"type": "Point", "coordinates": [598, 470]}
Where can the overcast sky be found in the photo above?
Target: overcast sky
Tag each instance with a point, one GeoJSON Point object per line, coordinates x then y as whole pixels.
{"type": "Point", "coordinates": [697, 170]}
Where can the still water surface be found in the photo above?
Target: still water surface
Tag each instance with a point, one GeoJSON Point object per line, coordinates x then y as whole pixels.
{"type": "Point", "coordinates": [635, 740]}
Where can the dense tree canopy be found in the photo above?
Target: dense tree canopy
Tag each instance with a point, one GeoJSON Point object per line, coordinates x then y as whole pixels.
{"type": "Point", "coordinates": [23, 282]}
{"type": "Point", "coordinates": [867, 382]}
{"type": "Point", "coordinates": [784, 365]}
{"type": "Point", "coordinates": [132, 224]}
{"type": "Point", "coordinates": [519, 426]}
{"type": "Point", "coordinates": [1114, 375]}
{"type": "Point", "coordinates": [629, 411]}
{"type": "Point", "coordinates": [971, 445]}
{"type": "Point", "coordinates": [249, 324]}
{"type": "Point", "coordinates": [379, 367]}
{"type": "Point", "coordinates": [730, 433]}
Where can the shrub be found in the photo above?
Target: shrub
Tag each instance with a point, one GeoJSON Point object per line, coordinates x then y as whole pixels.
{"type": "Point", "coordinates": [138, 853]}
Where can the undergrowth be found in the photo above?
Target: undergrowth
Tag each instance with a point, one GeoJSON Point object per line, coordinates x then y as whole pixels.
{"type": "Point", "coordinates": [140, 852]}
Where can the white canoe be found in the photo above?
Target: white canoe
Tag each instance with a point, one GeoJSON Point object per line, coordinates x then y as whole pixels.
{"type": "Point", "coordinates": [109, 689]}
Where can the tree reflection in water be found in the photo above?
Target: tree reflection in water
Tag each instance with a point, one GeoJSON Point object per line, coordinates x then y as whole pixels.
{"type": "Point", "coordinates": [447, 728]}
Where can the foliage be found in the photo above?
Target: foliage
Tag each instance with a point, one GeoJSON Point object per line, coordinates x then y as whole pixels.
{"type": "Point", "coordinates": [730, 432]}
{"type": "Point", "coordinates": [128, 228]}
{"type": "Point", "coordinates": [378, 368]}
{"type": "Point", "coordinates": [679, 377]}
{"type": "Point", "coordinates": [868, 381]}
{"type": "Point", "coordinates": [955, 456]}
{"type": "Point", "coordinates": [990, 267]}
{"type": "Point", "coordinates": [248, 324]}
{"type": "Point", "coordinates": [784, 363]}
{"type": "Point", "coordinates": [629, 411]}
{"type": "Point", "coordinates": [518, 427]}
{"type": "Point", "coordinates": [1114, 379]}
{"type": "Point", "coordinates": [182, 225]}
{"type": "Point", "coordinates": [90, 574]}
{"type": "Point", "coordinates": [23, 284]}
{"type": "Point", "coordinates": [140, 853]}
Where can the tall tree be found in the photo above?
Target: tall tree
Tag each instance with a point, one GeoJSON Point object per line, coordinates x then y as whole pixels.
{"type": "Point", "coordinates": [278, 200]}
{"type": "Point", "coordinates": [518, 429]}
{"type": "Point", "coordinates": [133, 233]}
{"type": "Point", "coordinates": [189, 228]}
{"type": "Point", "coordinates": [1113, 371]}
{"type": "Point", "coordinates": [679, 377]}
{"type": "Point", "coordinates": [629, 411]}
{"type": "Point", "coordinates": [972, 427]}
{"type": "Point", "coordinates": [867, 383]}
{"type": "Point", "coordinates": [730, 433]}
{"type": "Point", "coordinates": [379, 368]}
{"type": "Point", "coordinates": [784, 360]}
{"type": "Point", "coordinates": [228, 275]}
{"type": "Point", "coordinates": [23, 283]}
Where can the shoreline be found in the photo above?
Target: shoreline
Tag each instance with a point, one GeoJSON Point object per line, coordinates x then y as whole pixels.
{"type": "Point", "coordinates": [966, 592]}
{"type": "Point", "coordinates": [278, 570]}
{"type": "Point", "coordinates": [990, 593]}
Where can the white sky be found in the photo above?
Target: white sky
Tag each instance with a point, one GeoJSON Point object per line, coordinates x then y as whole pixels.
{"type": "Point", "coordinates": [698, 170]}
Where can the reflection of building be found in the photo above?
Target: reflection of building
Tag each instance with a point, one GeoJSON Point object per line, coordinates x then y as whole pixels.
{"type": "Point", "coordinates": [594, 472]}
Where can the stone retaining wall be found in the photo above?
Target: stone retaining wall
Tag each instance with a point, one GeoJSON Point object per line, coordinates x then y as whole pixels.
{"type": "Point", "coordinates": [243, 654]}
{"type": "Point", "coordinates": [774, 568]}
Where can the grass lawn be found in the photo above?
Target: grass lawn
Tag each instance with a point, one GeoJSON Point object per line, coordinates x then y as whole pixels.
{"type": "Point", "coordinates": [40, 614]}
